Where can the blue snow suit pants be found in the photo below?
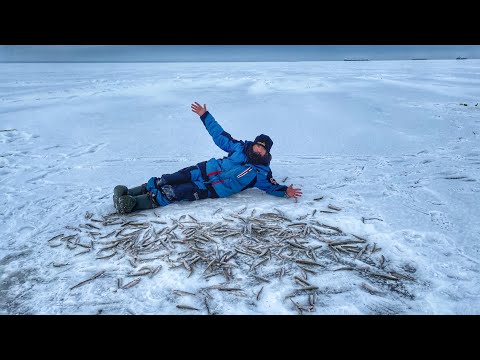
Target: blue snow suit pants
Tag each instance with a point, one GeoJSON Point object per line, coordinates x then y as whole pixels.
{"type": "Point", "coordinates": [185, 184]}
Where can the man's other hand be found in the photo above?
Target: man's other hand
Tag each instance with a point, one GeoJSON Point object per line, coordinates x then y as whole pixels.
{"type": "Point", "coordinates": [293, 192]}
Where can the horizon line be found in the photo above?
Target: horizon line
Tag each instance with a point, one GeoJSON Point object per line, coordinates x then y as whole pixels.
{"type": "Point", "coordinates": [189, 61]}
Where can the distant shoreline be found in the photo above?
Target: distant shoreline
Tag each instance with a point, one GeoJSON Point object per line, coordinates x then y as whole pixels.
{"type": "Point", "coordinates": [213, 61]}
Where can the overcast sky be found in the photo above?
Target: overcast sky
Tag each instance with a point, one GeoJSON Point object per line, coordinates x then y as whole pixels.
{"type": "Point", "coordinates": [231, 52]}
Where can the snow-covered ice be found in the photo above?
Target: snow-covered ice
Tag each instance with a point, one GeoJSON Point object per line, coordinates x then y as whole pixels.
{"type": "Point", "coordinates": [389, 142]}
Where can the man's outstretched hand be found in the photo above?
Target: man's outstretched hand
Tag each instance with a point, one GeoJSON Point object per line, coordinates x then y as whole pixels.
{"type": "Point", "coordinates": [293, 192]}
{"type": "Point", "coordinates": [198, 109]}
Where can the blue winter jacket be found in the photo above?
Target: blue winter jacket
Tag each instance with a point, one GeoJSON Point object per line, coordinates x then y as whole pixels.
{"type": "Point", "coordinates": [233, 173]}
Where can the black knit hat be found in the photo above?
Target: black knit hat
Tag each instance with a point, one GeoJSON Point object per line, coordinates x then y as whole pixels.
{"type": "Point", "coordinates": [265, 141]}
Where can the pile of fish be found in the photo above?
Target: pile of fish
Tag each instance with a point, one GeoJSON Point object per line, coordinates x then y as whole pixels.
{"type": "Point", "coordinates": [243, 250]}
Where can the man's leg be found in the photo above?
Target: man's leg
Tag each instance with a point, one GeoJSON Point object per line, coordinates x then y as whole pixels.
{"type": "Point", "coordinates": [133, 199]}
{"type": "Point", "coordinates": [121, 190]}
{"type": "Point", "coordinates": [180, 177]}
{"type": "Point", "coordinates": [187, 191]}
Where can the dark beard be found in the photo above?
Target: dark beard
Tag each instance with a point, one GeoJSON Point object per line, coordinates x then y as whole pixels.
{"type": "Point", "coordinates": [254, 158]}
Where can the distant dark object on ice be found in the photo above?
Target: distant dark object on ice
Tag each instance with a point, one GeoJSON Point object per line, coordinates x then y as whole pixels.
{"type": "Point", "coordinates": [419, 59]}
{"type": "Point", "coordinates": [461, 58]}
{"type": "Point", "coordinates": [359, 59]}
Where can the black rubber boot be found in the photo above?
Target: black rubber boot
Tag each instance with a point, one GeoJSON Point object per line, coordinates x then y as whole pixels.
{"type": "Point", "coordinates": [144, 202]}
{"type": "Point", "coordinates": [126, 203]}
{"type": "Point", "coordinates": [139, 190]}
{"type": "Point", "coordinates": [118, 191]}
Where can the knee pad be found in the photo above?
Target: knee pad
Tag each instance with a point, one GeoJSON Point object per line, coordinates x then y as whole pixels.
{"type": "Point", "coordinates": [168, 192]}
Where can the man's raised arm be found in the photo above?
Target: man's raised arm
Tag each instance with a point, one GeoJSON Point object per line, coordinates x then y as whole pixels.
{"type": "Point", "coordinates": [221, 138]}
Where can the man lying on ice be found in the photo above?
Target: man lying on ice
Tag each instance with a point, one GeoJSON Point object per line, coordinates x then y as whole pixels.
{"type": "Point", "coordinates": [246, 166]}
